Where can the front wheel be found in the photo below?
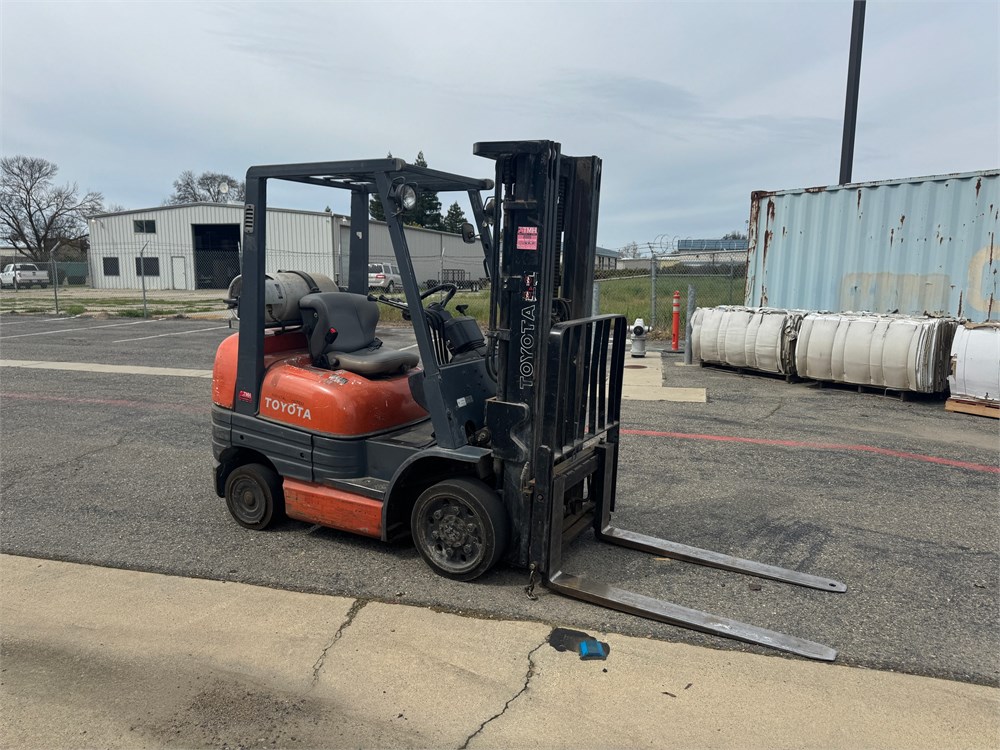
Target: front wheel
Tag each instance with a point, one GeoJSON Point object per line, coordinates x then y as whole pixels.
{"type": "Point", "coordinates": [460, 528]}
{"type": "Point", "coordinates": [254, 496]}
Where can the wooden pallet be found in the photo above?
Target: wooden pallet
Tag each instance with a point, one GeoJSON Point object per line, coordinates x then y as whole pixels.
{"type": "Point", "coordinates": [979, 408]}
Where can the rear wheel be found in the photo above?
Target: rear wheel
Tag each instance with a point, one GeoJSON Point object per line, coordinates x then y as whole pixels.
{"type": "Point", "coordinates": [460, 528]}
{"type": "Point", "coordinates": [254, 496]}
{"type": "Point", "coordinates": [389, 288]}
{"type": "Point", "coordinates": [475, 286]}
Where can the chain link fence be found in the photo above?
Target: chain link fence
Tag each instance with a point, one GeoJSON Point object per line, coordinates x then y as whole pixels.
{"type": "Point", "coordinates": [646, 289]}
{"type": "Point", "coordinates": [130, 284]}
{"type": "Point", "coordinates": [134, 284]}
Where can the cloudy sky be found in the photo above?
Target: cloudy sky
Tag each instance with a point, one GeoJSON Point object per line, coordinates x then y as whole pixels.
{"type": "Point", "coordinates": [690, 105]}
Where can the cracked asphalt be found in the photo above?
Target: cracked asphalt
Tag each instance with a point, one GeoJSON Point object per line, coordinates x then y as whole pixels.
{"type": "Point", "coordinates": [114, 470]}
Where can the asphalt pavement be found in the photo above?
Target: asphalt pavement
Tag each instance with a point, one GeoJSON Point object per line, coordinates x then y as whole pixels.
{"type": "Point", "coordinates": [898, 499]}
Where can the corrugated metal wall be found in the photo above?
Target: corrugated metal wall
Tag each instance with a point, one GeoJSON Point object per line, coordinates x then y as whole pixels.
{"type": "Point", "coordinates": [430, 251]}
{"type": "Point", "coordinates": [295, 239]}
{"type": "Point", "coordinates": [909, 246]}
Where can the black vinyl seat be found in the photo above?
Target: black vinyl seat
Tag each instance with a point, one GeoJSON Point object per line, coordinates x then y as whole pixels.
{"type": "Point", "coordinates": [341, 331]}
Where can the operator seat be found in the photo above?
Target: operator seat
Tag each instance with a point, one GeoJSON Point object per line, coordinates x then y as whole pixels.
{"type": "Point", "coordinates": [341, 332]}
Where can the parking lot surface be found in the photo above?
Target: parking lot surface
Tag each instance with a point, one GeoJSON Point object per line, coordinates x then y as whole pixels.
{"type": "Point", "coordinates": [899, 499]}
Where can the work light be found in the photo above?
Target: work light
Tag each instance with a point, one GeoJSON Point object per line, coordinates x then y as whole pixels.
{"type": "Point", "coordinates": [404, 195]}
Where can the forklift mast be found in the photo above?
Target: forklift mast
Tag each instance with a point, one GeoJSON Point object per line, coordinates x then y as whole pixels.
{"type": "Point", "coordinates": [558, 390]}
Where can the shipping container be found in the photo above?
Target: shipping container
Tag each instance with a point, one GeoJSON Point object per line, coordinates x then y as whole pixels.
{"type": "Point", "coordinates": [922, 245]}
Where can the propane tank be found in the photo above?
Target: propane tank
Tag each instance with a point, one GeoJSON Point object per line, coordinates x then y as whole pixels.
{"type": "Point", "coordinates": [282, 292]}
{"type": "Point", "coordinates": [639, 331]}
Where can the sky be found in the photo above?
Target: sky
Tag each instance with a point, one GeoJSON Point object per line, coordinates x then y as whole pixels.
{"type": "Point", "coordinates": [691, 106]}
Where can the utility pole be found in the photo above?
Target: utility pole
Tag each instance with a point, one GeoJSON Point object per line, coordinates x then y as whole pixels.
{"type": "Point", "coordinates": [853, 81]}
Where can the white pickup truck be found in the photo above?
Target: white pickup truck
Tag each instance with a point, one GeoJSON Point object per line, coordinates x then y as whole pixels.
{"type": "Point", "coordinates": [20, 275]}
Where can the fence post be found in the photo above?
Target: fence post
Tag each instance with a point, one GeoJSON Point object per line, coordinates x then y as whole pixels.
{"type": "Point", "coordinates": [54, 274]}
{"type": "Point", "coordinates": [652, 292]}
{"type": "Point", "coordinates": [688, 327]}
{"type": "Point", "coordinates": [675, 327]}
{"type": "Point", "coordinates": [142, 268]}
{"type": "Point", "coordinates": [595, 307]}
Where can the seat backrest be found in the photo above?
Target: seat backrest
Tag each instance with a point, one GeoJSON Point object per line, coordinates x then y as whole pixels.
{"type": "Point", "coordinates": [354, 317]}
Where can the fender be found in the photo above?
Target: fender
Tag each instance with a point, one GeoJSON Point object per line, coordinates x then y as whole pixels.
{"type": "Point", "coordinates": [471, 457]}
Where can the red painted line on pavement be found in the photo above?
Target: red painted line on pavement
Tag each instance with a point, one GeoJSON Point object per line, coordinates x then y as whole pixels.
{"type": "Point", "coordinates": [107, 402]}
{"type": "Point", "coordinates": [819, 446]}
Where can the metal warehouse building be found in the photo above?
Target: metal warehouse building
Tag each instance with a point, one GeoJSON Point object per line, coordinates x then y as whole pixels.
{"type": "Point", "coordinates": [197, 246]}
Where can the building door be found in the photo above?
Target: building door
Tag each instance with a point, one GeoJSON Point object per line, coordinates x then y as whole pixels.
{"type": "Point", "coordinates": [216, 254]}
{"type": "Point", "coordinates": [178, 271]}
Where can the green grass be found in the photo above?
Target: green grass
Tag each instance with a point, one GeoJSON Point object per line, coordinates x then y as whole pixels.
{"type": "Point", "coordinates": [74, 309]}
{"type": "Point", "coordinates": [631, 297]}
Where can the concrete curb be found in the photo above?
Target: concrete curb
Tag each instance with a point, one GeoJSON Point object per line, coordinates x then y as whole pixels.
{"type": "Point", "coordinates": [112, 658]}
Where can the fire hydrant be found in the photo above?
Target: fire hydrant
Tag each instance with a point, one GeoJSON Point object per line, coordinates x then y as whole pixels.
{"type": "Point", "coordinates": [639, 331]}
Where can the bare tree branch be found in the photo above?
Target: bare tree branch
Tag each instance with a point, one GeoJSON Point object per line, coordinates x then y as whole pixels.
{"type": "Point", "coordinates": [206, 188]}
{"type": "Point", "coordinates": [35, 214]}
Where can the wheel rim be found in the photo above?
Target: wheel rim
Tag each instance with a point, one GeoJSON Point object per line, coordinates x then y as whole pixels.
{"type": "Point", "coordinates": [453, 535]}
{"type": "Point", "coordinates": [249, 503]}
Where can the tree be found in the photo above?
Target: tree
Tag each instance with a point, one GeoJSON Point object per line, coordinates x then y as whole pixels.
{"type": "Point", "coordinates": [375, 203]}
{"type": "Point", "coordinates": [631, 250]}
{"type": "Point", "coordinates": [207, 188]}
{"type": "Point", "coordinates": [427, 214]}
{"type": "Point", "coordinates": [35, 213]}
{"type": "Point", "coordinates": [734, 235]}
{"type": "Point", "coordinates": [454, 219]}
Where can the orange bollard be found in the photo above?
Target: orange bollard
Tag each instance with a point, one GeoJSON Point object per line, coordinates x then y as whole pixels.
{"type": "Point", "coordinates": [675, 336]}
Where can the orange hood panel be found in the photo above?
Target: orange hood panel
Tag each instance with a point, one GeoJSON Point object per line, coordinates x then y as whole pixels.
{"type": "Point", "coordinates": [333, 402]}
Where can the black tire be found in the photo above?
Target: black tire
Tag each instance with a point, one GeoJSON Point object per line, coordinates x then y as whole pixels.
{"type": "Point", "coordinates": [460, 528]}
{"type": "Point", "coordinates": [44, 286]}
{"type": "Point", "coordinates": [16, 287]}
{"type": "Point", "coordinates": [475, 287]}
{"type": "Point", "coordinates": [254, 496]}
{"type": "Point", "coordinates": [388, 288]}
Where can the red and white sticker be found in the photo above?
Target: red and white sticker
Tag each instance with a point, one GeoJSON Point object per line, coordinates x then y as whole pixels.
{"type": "Point", "coordinates": [527, 238]}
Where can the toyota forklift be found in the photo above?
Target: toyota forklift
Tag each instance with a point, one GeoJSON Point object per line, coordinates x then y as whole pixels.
{"type": "Point", "coordinates": [480, 447]}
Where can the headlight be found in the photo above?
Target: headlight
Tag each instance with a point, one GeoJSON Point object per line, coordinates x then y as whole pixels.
{"type": "Point", "coordinates": [405, 196]}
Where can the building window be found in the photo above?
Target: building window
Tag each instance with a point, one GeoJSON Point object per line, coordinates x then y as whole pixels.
{"type": "Point", "coordinates": [144, 226]}
{"type": "Point", "coordinates": [147, 266]}
{"type": "Point", "coordinates": [111, 267]}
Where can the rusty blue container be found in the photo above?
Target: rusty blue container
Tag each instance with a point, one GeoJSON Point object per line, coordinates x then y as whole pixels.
{"type": "Point", "coordinates": [922, 245]}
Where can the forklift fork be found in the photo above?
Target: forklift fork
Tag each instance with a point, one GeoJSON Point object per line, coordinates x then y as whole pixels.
{"type": "Point", "coordinates": [587, 440]}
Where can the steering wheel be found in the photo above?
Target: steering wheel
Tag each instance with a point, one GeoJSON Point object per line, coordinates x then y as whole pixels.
{"type": "Point", "coordinates": [450, 288]}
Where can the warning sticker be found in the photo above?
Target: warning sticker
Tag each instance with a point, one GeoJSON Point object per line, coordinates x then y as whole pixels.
{"type": "Point", "coordinates": [527, 238]}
